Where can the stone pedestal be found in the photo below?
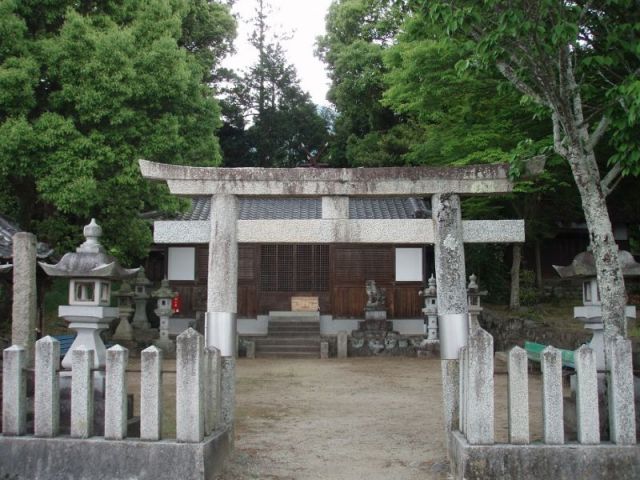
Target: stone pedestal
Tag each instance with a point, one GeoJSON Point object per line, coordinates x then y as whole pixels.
{"type": "Point", "coordinates": [124, 332]}
{"type": "Point", "coordinates": [375, 321]}
{"type": "Point", "coordinates": [88, 322]}
{"type": "Point", "coordinates": [164, 343]}
{"type": "Point", "coordinates": [140, 320]}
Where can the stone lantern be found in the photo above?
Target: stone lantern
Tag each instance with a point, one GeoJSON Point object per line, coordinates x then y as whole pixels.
{"type": "Point", "coordinates": [430, 310]}
{"type": "Point", "coordinates": [590, 313]}
{"type": "Point", "coordinates": [164, 296]}
{"type": "Point", "coordinates": [141, 295]}
{"type": "Point", "coordinates": [90, 271]}
{"type": "Point", "coordinates": [473, 301]}
{"type": "Point", "coordinates": [125, 309]}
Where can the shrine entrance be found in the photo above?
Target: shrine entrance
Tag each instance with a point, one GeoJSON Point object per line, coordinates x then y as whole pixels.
{"type": "Point", "coordinates": [445, 230]}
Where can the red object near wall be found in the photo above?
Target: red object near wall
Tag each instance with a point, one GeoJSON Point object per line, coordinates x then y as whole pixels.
{"type": "Point", "coordinates": [176, 304]}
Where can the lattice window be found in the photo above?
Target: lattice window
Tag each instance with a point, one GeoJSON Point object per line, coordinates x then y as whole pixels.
{"type": "Point", "coordinates": [355, 265]}
{"type": "Point", "coordinates": [286, 268]}
{"type": "Point", "coordinates": [246, 262]}
{"type": "Point", "coordinates": [294, 268]}
{"type": "Point", "coordinates": [269, 268]}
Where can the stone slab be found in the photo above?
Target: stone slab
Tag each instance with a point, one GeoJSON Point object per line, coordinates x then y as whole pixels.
{"type": "Point", "coordinates": [536, 461]}
{"type": "Point", "coordinates": [66, 458]}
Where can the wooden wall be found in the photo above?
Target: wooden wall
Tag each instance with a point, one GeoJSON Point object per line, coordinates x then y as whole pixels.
{"type": "Point", "coordinates": [341, 290]}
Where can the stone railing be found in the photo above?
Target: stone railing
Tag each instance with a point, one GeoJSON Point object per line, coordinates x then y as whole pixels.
{"type": "Point", "coordinates": [197, 410]}
{"type": "Point", "coordinates": [474, 451]}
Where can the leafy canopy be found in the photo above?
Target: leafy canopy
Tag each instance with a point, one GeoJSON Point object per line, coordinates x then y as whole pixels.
{"type": "Point", "coordinates": [87, 88]}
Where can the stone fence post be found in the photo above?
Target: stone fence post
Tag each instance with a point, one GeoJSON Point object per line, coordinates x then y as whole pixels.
{"type": "Point", "coordinates": [552, 402]}
{"type": "Point", "coordinates": [479, 406]}
{"type": "Point", "coordinates": [47, 388]}
{"type": "Point", "coordinates": [82, 392]}
{"type": "Point", "coordinates": [14, 391]}
{"type": "Point", "coordinates": [190, 387]}
{"type": "Point", "coordinates": [151, 394]}
{"type": "Point", "coordinates": [212, 363]}
{"type": "Point", "coordinates": [622, 412]}
{"type": "Point", "coordinates": [588, 413]}
{"type": "Point", "coordinates": [115, 411]}
{"type": "Point", "coordinates": [518, 388]}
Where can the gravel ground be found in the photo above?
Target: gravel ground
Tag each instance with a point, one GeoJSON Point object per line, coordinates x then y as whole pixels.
{"type": "Point", "coordinates": [359, 418]}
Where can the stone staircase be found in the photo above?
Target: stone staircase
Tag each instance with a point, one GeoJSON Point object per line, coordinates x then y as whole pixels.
{"type": "Point", "coordinates": [291, 335]}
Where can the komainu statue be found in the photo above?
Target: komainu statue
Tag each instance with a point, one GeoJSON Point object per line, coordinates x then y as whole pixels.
{"type": "Point", "coordinates": [376, 297]}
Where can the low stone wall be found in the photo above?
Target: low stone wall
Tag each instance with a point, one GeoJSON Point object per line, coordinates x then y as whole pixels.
{"type": "Point", "coordinates": [390, 344]}
{"type": "Point", "coordinates": [203, 409]}
{"type": "Point", "coordinates": [510, 330]}
{"type": "Point", "coordinates": [536, 461]}
{"type": "Point", "coordinates": [474, 453]}
{"type": "Point", "coordinates": [30, 458]}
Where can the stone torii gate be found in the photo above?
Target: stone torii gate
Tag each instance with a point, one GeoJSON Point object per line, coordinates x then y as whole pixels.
{"type": "Point", "coordinates": [445, 230]}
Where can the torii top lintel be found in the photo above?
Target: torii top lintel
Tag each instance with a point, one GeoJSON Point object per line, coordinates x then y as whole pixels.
{"type": "Point", "coordinates": [387, 181]}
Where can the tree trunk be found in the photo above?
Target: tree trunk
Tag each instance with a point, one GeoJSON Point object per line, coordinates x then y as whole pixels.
{"type": "Point", "coordinates": [514, 300]}
{"type": "Point", "coordinates": [538, 255]}
{"type": "Point", "coordinates": [603, 245]}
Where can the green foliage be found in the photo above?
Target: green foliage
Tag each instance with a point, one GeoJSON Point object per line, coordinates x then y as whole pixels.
{"type": "Point", "coordinates": [358, 34]}
{"type": "Point", "coordinates": [529, 293]}
{"type": "Point", "coordinates": [540, 40]}
{"type": "Point", "coordinates": [269, 120]}
{"type": "Point", "coordinates": [487, 261]}
{"type": "Point", "coordinates": [86, 90]}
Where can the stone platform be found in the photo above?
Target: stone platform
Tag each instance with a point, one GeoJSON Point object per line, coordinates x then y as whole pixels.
{"type": "Point", "coordinates": [536, 461]}
{"type": "Point", "coordinates": [98, 459]}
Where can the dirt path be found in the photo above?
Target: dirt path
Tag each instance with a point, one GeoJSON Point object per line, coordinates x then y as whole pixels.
{"type": "Point", "coordinates": [354, 419]}
{"type": "Point", "coordinates": [376, 418]}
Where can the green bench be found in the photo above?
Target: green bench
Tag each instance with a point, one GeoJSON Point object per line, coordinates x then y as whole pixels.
{"type": "Point", "coordinates": [534, 352]}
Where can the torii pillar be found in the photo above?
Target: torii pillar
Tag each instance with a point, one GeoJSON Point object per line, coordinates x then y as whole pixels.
{"type": "Point", "coordinates": [222, 295]}
{"type": "Point", "coordinates": [453, 313]}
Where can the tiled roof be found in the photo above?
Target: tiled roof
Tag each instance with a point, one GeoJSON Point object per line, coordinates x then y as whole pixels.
{"type": "Point", "coordinates": [7, 230]}
{"type": "Point", "coordinates": [387, 208]}
{"type": "Point", "coordinates": [311, 208]}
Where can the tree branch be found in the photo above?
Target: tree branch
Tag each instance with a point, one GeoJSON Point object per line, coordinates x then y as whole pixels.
{"type": "Point", "coordinates": [510, 74]}
{"type": "Point", "coordinates": [611, 179]}
{"type": "Point", "coordinates": [596, 136]}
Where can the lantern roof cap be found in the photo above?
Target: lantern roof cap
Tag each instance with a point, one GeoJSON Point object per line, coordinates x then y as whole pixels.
{"type": "Point", "coordinates": [584, 265]}
{"type": "Point", "coordinates": [125, 290]}
{"type": "Point", "coordinates": [141, 279]}
{"type": "Point", "coordinates": [90, 260]}
{"type": "Point", "coordinates": [164, 291]}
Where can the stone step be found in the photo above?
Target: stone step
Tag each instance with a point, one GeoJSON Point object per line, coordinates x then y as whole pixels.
{"type": "Point", "coordinates": [303, 355]}
{"type": "Point", "coordinates": [294, 324]}
{"type": "Point", "coordinates": [301, 317]}
{"type": "Point", "coordinates": [288, 341]}
{"type": "Point", "coordinates": [288, 348]}
{"type": "Point", "coordinates": [294, 334]}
